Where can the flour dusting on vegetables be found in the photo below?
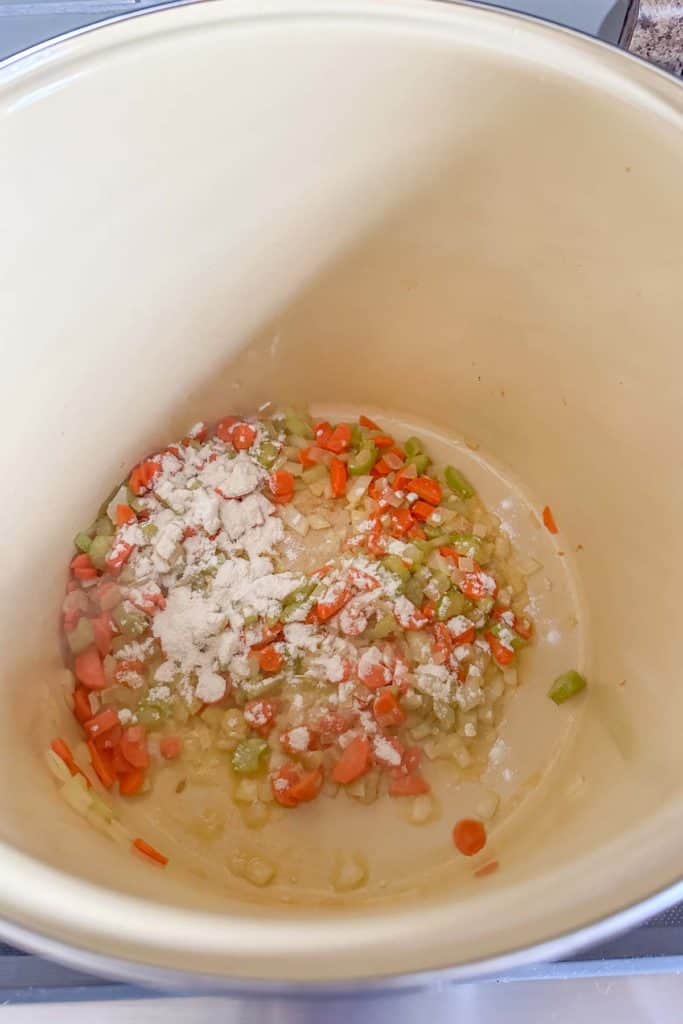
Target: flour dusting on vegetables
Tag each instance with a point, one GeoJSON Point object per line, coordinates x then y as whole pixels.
{"type": "Point", "coordinates": [314, 603]}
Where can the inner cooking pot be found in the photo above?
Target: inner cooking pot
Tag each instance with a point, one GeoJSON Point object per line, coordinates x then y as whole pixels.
{"type": "Point", "coordinates": [455, 215]}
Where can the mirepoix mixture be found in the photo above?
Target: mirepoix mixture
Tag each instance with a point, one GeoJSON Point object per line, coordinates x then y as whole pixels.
{"type": "Point", "coordinates": [330, 607]}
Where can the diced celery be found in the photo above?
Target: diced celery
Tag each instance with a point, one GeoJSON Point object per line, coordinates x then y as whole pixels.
{"type": "Point", "coordinates": [485, 604]}
{"type": "Point", "coordinates": [435, 531]}
{"type": "Point", "coordinates": [382, 628]}
{"type": "Point", "coordinates": [250, 756]}
{"type": "Point", "coordinates": [466, 544]}
{"type": "Point", "coordinates": [392, 563]}
{"type": "Point", "coordinates": [458, 483]}
{"type": "Point", "coordinates": [441, 581]}
{"type": "Point", "coordinates": [81, 636]}
{"type": "Point", "coordinates": [413, 446]}
{"type": "Point", "coordinates": [567, 685]}
{"type": "Point", "coordinates": [99, 549]}
{"type": "Point", "coordinates": [104, 527]}
{"type": "Point", "coordinates": [364, 459]}
{"type": "Point", "coordinates": [414, 590]}
{"type": "Point", "coordinates": [149, 531]}
{"type": "Point", "coordinates": [267, 455]}
{"type": "Point", "coordinates": [357, 436]}
{"type": "Point", "coordinates": [82, 541]}
{"type": "Point", "coordinates": [451, 604]}
{"type": "Point", "coordinates": [295, 424]}
{"type": "Point", "coordinates": [415, 554]}
{"type": "Point", "coordinates": [151, 713]}
{"type": "Point", "coordinates": [420, 461]}
{"type": "Point", "coordinates": [299, 595]}
{"type": "Point", "coordinates": [129, 622]}
{"type": "Point", "coordinates": [507, 636]}
{"type": "Point", "coordinates": [314, 473]}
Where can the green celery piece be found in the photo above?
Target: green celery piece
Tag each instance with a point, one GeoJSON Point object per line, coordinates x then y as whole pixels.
{"type": "Point", "coordinates": [364, 459]}
{"type": "Point", "coordinates": [450, 605]}
{"type": "Point", "coordinates": [466, 544]}
{"type": "Point", "coordinates": [458, 483]}
{"type": "Point", "coordinates": [130, 623]}
{"type": "Point", "coordinates": [267, 455]}
{"type": "Point", "coordinates": [104, 527]}
{"type": "Point", "coordinates": [81, 636]}
{"type": "Point", "coordinates": [299, 595]}
{"type": "Point", "coordinates": [505, 633]}
{"type": "Point", "coordinates": [250, 756]}
{"type": "Point", "coordinates": [392, 563]}
{"type": "Point", "coordinates": [357, 436]}
{"type": "Point", "coordinates": [420, 461]}
{"type": "Point", "coordinates": [566, 686]}
{"type": "Point", "coordinates": [99, 549]}
{"type": "Point", "coordinates": [413, 446]}
{"type": "Point", "coordinates": [82, 541]}
{"type": "Point", "coordinates": [414, 591]}
{"type": "Point", "coordinates": [382, 628]}
{"type": "Point", "coordinates": [297, 425]}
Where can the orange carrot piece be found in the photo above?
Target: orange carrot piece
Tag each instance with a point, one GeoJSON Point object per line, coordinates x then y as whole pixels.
{"type": "Point", "coordinates": [502, 654]}
{"type": "Point", "coordinates": [101, 723]}
{"type": "Point", "coordinates": [224, 428]}
{"type": "Point", "coordinates": [338, 441]}
{"type": "Point", "coordinates": [270, 659]}
{"type": "Point", "coordinates": [307, 786]}
{"type": "Point", "coordinates": [421, 510]}
{"type": "Point", "coordinates": [387, 710]}
{"type": "Point", "coordinates": [549, 520]}
{"type": "Point", "coordinates": [141, 478]}
{"type": "Point", "coordinates": [131, 782]}
{"type": "Point", "coordinates": [171, 747]}
{"type": "Point", "coordinates": [63, 750]}
{"type": "Point", "coordinates": [243, 436]}
{"type": "Point", "coordinates": [354, 761]}
{"type": "Point", "coordinates": [88, 669]}
{"type": "Point", "coordinates": [365, 421]}
{"type": "Point", "coordinates": [103, 633]}
{"type": "Point", "coordinates": [469, 836]}
{"type": "Point", "coordinates": [102, 765]}
{"type": "Point", "coordinates": [281, 484]}
{"type": "Point", "coordinates": [427, 489]}
{"type": "Point", "coordinates": [487, 869]}
{"type": "Point", "coordinates": [324, 610]}
{"type": "Point", "coordinates": [134, 746]}
{"type": "Point", "coordinates": [408, 785]}
{"type": "Point", "coordinates": [339, 474]}
{"type": "Point", "coordinates": [383, 441]}
{"type": "Point", "coordinates": [124, 514]}
{"type": "Point", "coordinates": [281, 782]}
{"type": "Point", "coordinates": [150, 851]}
{"type": "Point", "coordinates": [82, 709]}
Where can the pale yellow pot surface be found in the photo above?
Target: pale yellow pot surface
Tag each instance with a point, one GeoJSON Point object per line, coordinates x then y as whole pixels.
{"type": "Point", "coordinates": [455, 216]}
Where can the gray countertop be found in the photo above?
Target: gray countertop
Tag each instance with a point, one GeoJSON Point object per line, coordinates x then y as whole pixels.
{"type": "Point", "coordinates": [658, 35]}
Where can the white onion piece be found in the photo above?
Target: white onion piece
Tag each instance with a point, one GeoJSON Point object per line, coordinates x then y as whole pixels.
{"type": "Point", "coordinates": [529, 566]}
{"type": "Point", "coordinates": [292, 517]}
{"type": "Point", "coordinates": [393, 460]}
{"type": "Point", "coordinates": [357, 489]}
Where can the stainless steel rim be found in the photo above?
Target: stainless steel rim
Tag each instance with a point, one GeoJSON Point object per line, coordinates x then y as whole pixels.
{"type": "Point", "coordinates": [166, 978]}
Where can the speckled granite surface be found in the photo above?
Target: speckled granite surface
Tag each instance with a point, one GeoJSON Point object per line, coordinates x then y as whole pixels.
{"type": "Point", "coordinates": [659, 33]}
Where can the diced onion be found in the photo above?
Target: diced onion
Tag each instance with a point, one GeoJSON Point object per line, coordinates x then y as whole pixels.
{"type": "Point", "coordinates": [393, 460]}
{"type": "Point", "coordinates": [318, 522]}
{"type": "Point", "coordinates": [422, 809]}
{"type": "Point", "coordinates": [487, 805]}
{"type": "Point", "coordinates": [57, 766]}
{"type": "Point", "coordinates": [358, 489]}
{"type": "Point", "coordinates": [294, 518]}
{"type": "Point", "coordinates": [350, 873]}
{"type": "Point", "coordinates": [529, 566]}
{"type": "Point", "coordinates": [259, 871]}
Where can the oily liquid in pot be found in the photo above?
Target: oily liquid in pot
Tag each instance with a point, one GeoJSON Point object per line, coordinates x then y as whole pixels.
{"type": "Point", "coordinates": [199, 826]}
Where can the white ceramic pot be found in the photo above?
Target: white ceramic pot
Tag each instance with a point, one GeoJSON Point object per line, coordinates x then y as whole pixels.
{"type": "Point", "coordinates": [460, 214]}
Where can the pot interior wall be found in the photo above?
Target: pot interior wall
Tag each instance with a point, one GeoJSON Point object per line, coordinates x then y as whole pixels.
{"type": "Point", "coordinates": [418, 210]}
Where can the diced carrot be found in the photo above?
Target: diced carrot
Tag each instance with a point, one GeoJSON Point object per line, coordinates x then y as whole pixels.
{"type": "Point", "coordinates": [260, 714]}
{"type": "Point", "coordinates": [150, 851]}
{"type": "Point", "coordinates": [523, 628]}
{"type": "Point", "coordinates": [143, 475]}
{"type": "Point", "coordinates": [427, 489]}
{"type": "Point", "coordinates": [354, 761]}
{"type": "Point", "coordinates": [404, 478]}
{"type": "Point", "coordinates": [328, 728]}
{"type": "Point", "coordinates": [376, 541]}
{"type": "Point", "coordinates": [102, 765]}
{"type": "Point", "coordinates": [500, 652]}
{"type": "Point", "coordinates": [475, 586]}
{"type": "Point", "coordinates": [487, 869]}
{"type": "Point", "coordinates": [416, 532]}
{"type": "Point", "coordinates": [339, 474]}
{"type": "Point", "coordinates": [365, 421]}
{"type": "Point", "coordinates": [126, 668]}
{"type": "Point", "coordinates": [281, 782]}
{"type": "Point", "coordinates": [307, 786]}
{"type": "Point", "coordinates": [469, 836]}
{"type": "Point", "coordinates": [281, 484]}
{"type": "Point", "coordinates": [134, 746]}
{"type": "Point", "coordinates": [442, 645]}
{"type": "Point", "coordinates": [82, 709]}
{"type": "Point", "coordinates": [243, 436]}
{"type": "Point", "coordinates": [325, 609]}
{"type": "Point", "coordinates": [411, 760]}
{"type": "Point", "coordinates": [338, 441]}
{"type": "Point", "coordinates": [131, 782]}
{"type": "Point", "coordinates": [421, 510]}
{"type": "Point", "coordinates": [224, 428]}
{"type": "Point", "coordinates": [363, 581]}
{"type": "Point", "coordinates": [408, 785]}
{"type": "Point", "coordinates": [375, 676]}
{"type": "Point", "coordinates": [109, 740]}
{"type": "Point", "coordinates": [171, 747]}
{"type": "Point", "coordinates": [387, 710]}
{"type": "Point", "coordinates": [118, 555]}
{"type": "Point", "coordinates": [401, 521]}
{"type": "Point", "coordinates": [382, 441]}
{"type": "Point", "coordinates": [322, 431]}
{"type": "Point", "coordinates": [268, 634]}
{"type": "Point", "coordinates": [305, 456]}
{"type": "Point", "coordinates": [103, 633]}
{"type": "Point", "coordinates": [270, 659]}
{"type": "Point", "coordinates": [381, 467]}
{"type": "Point", "coordinates": [63, 750]}
{"type": "Point", "coordinates": [428, 609]}
{"type": "Point", "coordinates": [82, 568]}
{"type": "Point", "coordinates": [124, 514]}
{"type": "Point", "coordinates": [101, 723]}
{"type": "Point", "coordinates": [119, 763]}
{"type": "Point", "coordinates": [88, 669]}
{"type": "Point", "coordinates": [70, 617]}
{"type": "Point", "coordinates": [549, 520]}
